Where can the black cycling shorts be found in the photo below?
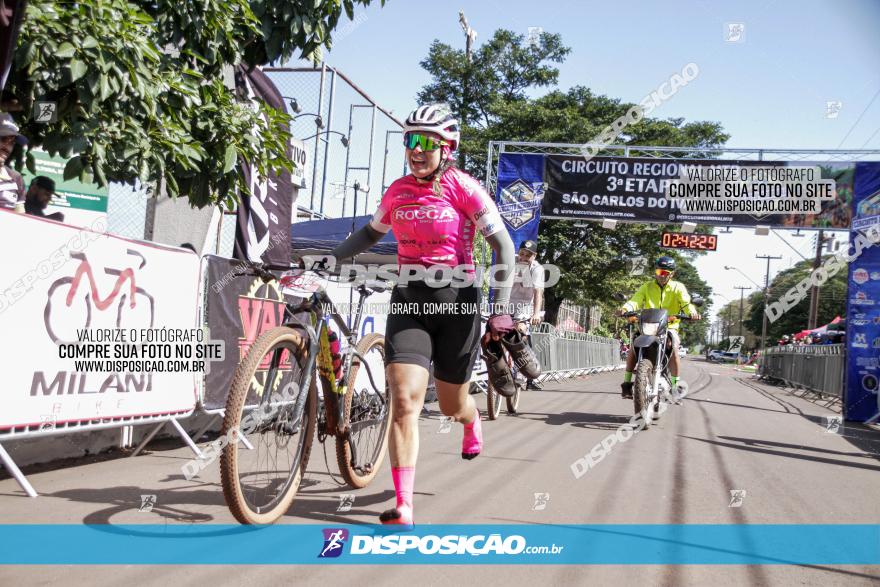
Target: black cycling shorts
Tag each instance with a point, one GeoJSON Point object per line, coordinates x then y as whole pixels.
{"type": "Point", "coordinates": [434, 324]}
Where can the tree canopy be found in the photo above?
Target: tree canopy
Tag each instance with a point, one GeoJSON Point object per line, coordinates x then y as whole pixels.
{"type": "Point", "coordinates": [832, 302]}
{"type": "Point", "coordinates": [492, 96]}
{"type": "Point", "coordinates": [140, 89]}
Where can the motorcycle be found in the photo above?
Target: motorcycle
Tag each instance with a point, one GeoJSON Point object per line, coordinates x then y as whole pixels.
{"type": "Point", "coordinates": [652, 388]}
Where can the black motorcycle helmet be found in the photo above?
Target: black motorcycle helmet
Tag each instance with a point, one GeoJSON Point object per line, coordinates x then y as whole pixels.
{"type": "Point", "coordinates": [667, 263]}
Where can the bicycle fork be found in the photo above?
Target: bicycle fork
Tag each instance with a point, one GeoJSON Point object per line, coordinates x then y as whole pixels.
{"type": "Point", "coordinates": [303, 393]}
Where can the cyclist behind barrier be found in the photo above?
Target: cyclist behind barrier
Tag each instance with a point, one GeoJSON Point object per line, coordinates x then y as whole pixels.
{"type": "Point", "coordinates": [434, 213]}
{"type": "Point", "coordinates": [661, 292]}
{"type": "Point", "coordinates": [527, 294]}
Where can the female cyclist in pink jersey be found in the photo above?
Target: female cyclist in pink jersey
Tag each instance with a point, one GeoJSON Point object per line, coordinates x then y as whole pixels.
{"type": "Point", "coordinates": [434, 213]}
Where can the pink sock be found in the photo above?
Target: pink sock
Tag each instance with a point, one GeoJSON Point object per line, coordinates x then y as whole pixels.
{"type": "Point", "coordinates": [472, 442]}
{"type": "Point", "coordinates": [404, 479]}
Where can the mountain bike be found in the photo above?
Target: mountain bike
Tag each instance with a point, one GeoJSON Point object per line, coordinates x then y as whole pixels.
{"type": "Point", "coordinates": [273, 409]}
{"type": "Point", "coordinates": [493, 398]}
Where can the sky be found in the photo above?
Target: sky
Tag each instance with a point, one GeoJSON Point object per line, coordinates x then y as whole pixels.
{"type": "Point", "coordinates": [769, 90]}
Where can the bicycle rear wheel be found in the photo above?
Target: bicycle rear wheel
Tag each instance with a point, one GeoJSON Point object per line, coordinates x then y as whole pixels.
{"type": "Point", "coordinates": [493, 401]}
{"type": "Point", "coordinates": [361, 448]}
{"type": "Point", "coordinates": [265, 458]}
{"type": "Point", "coordinates": [513, 401]}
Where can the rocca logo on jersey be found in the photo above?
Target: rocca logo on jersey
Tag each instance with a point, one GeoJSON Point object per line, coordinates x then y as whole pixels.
{"type": "Point", "coordinates": [520, 202]}
{"type": "Point", "coordinates": [423, 214]}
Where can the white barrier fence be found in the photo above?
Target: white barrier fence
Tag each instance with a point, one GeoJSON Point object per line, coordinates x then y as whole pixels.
{"type": "Point", "coordinates": [566, 353]}
{"type": "Point", "coordinates": [58, 280]}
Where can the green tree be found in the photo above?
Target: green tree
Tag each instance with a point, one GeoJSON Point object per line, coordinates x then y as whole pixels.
{"type": "Point", "coordinates": [694, 332]}
{"type": "Point", "coordinates": [140, 86]}
{"type": "Point", "coordinates": [503, 69]}
{"type": "Point", "coordinates": [504, 73]}
{"type": "Point", "coordinates": [832, 302]}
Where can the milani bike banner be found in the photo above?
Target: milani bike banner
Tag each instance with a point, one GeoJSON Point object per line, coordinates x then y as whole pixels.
{"type": "Point", "coordinates": [520, 189]}
{"type": "Point", "coordinates": [633, 190]}
{"type": "Point", "coordinates": [264, 217]}
{"type": "Point", "coordinates": [863, 309]}
{"type": "Point", "coordinates": [58, 280]}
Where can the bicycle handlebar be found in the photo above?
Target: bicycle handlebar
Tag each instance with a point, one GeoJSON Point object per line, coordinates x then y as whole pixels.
{"type": "Point", "coordinates": [485, 318]}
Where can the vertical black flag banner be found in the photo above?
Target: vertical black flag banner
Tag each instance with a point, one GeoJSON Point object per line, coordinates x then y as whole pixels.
{"type": "Point", "coordinates": [264, 217]}
{"type": "Point", "coordinates": [11, 15]}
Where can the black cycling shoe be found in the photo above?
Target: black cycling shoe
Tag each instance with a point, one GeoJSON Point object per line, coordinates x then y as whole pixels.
{"type": "Point", "coordinates": [626, 390]}
{"type": "Point", "coordinates": [533, 386]}
{"type": "Point", "coordinates": [522, 354]}
{"type": "Point", "coordinates": [497, 368]}
{"type": "Point", "coordinates": [401, 515]}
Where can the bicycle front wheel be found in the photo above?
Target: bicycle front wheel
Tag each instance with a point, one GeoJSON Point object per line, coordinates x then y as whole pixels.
{"type": "Point", "coordinates": [361, 447]}
{"type": "Point", "coordinates": [269, 425]}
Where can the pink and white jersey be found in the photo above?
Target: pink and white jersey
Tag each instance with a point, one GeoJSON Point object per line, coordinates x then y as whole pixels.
{"type": "Point", "coordinates": [432, 230]}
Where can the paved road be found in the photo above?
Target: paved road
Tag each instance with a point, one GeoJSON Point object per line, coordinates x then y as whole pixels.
{"type": "Point", "coordinates": [731, 433]}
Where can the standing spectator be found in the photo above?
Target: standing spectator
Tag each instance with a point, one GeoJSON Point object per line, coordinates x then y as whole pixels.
{"type": "Point", "coordinates": [39, 195]}
{"type": "Point", "coordinates": [527, 293]}
{"type": "Point", "coordinates": [12, 194]}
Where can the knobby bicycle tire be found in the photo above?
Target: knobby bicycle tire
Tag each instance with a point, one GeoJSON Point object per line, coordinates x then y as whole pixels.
{"type": "Point", "coordinates": [513, 401]}
{"type": "Point", "coordinates": [235, 403]}
{"type": "Point", "coordinates": [343, 450]}
{"type": "Point", "coordinates": [493, 401]}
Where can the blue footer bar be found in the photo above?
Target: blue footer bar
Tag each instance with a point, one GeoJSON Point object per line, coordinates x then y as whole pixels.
{"type": "Point", "coordinates": [844, 544]}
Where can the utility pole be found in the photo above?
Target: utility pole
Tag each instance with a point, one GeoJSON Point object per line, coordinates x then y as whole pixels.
{"type": "Point", "coordinates": [814, 291]}
{"type": "Point", "coordinates": [470, 36]}
{"type": "Point", "coordinates": [729, 321]}
{"type": "Point", "coordinates": [766, 287]}
{"type": "Point", "coordinates": [741, 290]}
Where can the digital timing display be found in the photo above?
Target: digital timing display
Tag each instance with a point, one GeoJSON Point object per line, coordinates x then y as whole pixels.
{"type": "Point", "coordinates": [697, 242]}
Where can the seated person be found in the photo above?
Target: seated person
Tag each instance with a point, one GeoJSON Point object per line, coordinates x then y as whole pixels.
{"type": "Point", "coordinates": [38, 196]}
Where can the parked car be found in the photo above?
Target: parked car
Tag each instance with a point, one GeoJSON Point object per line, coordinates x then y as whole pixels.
{"type": "Point", "coordinates": [682, 351]}
{"type": "Point", "coordinates": [724, 356]}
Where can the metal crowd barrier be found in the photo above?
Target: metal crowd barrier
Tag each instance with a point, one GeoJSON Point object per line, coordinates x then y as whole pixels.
{"type": "Point", "coordinates": [568, 354]}
{"type": "Point", "coordinates": [820, 368]}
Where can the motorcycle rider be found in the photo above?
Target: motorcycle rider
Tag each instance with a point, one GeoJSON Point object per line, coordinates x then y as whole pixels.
{"type": "Point", "coordinates": [661, 292]}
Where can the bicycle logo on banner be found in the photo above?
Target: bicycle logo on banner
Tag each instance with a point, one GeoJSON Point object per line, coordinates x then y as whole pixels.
{"type": "Point", "coordinates": [133, 305]}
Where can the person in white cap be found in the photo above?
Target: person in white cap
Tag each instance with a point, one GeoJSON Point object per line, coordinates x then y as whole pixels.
{"type": "Point", "coordinates": [12, 194]}
{"type": "Point", "coordinates": [527, 293]}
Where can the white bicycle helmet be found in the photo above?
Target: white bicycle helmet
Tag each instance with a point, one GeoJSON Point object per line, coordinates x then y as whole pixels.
{"type": "Point", "coordinates": [436, 118]}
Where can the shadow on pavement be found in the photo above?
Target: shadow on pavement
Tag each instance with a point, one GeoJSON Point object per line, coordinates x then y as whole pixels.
{"type": "Point", "coordinates": [169, 504]}
{"type": "Point", "coordinates": [761, 446]}
{"type": "Point", "coordinates": [862, 437]}
{"type": "Point", "coordinates": [178, 505]}
{"type": "Point", "coordinates": [578, 419]}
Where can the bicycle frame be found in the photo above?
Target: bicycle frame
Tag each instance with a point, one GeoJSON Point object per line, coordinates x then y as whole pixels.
{"type": "Point", "coordinates": [317, 333]}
